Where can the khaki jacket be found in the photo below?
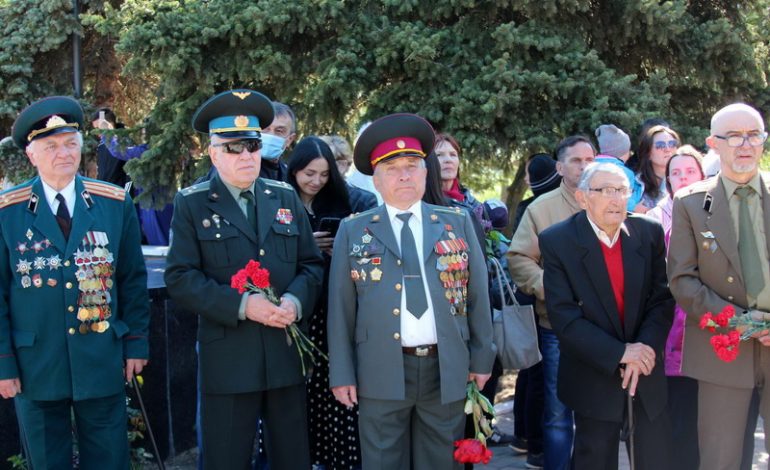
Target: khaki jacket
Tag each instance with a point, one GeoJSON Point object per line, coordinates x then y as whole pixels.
{"type": "Point", "coordinates": [704, 273]}
{"type": "Point", "coordinates": [524, 259]}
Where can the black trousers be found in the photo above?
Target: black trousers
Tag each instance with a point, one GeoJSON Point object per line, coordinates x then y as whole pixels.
{"type": "Point", "coordinates": [596, 442]}
{"type": "Point", "coordinates": [229, 428]}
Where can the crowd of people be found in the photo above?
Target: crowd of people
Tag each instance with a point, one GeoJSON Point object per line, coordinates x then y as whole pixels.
{"type": "Point", "coordinates": [380, 254]}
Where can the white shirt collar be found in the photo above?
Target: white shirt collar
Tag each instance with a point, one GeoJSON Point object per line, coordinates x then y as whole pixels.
{"type": "Point", "coordinates": [415, 209]}
{"type": "Point", "coordinates": [68, 192]}
{"type": "Point", "coordinates": [602, 235]}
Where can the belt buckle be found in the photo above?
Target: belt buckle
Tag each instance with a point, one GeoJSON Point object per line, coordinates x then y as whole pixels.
{"type": "Point", "coordinates": [421, 351]}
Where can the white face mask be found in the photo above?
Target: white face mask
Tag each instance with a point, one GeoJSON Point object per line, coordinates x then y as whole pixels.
{"type": "Point", "coordinates": [272, 146]}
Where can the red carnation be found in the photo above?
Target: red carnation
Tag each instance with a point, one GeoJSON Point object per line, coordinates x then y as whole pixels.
{"type": "Point", "coordinates": [707, 321]}
{"type": "Point", "coordinates": [472, 451]}
{"type": "Point", "coordinates": [726, 346]}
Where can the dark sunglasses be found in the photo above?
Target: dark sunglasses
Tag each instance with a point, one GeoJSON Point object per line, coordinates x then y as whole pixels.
{"type": "Point", "coordinates": [237, 147]}
{"type": "Point", "coordinates": [672, 144]}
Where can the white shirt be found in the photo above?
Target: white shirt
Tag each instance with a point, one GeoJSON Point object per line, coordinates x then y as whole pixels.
{"type": "Point", "coordinates": [602, 235]}
{"type": "Point", "coordinates": [69, 197]}
{"type": "Point", "coordinates": [414, 331]}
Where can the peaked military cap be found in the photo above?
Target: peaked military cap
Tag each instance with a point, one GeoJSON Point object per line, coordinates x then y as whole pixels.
{"type": "Point", "coordinates": [49, 116]}
{"type": "Point", "coordinates": [234, 113]}
{"type": "Point", "coordinates": [393, 136]}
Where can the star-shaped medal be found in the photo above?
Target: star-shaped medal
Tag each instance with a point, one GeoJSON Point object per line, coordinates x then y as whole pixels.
{"type": "Point", "coordinates": [54, 262]}
{"type": "Point", "coordinates": [23, 267]}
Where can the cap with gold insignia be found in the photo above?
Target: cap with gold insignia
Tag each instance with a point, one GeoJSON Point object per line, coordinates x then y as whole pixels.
{"type": "Point", "coordinates": [234, 114]}
{"type": "Point", "coordinates": [393, 136]}
{"type": "Point", "coordinates": [49, 116]}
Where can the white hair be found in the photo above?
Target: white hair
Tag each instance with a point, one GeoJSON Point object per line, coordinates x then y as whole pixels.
{"type": "Point", "coordinates": [600, 167]}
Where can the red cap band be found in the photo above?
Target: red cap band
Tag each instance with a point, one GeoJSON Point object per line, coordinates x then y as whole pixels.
{"type": "Point", "coordinates": [397, 145]}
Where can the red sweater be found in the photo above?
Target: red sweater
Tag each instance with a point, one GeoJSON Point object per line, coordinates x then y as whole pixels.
{"type": "Point", "coordinates": [613, 259]}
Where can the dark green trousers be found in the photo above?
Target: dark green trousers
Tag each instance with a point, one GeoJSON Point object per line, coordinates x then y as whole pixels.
{"type": "Point", "coordinates": [100, 424]}
{"type": "Point", "coordinates": [417, 432]}
{"type": "Point", "coordinates": [229, 423]}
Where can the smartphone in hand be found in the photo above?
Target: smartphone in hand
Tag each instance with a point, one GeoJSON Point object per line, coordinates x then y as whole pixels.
{"type": "Point", "coordinates": [329, 224]}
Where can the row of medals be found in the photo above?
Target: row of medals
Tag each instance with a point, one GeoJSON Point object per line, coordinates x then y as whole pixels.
{"type": "Point", "coordinates": [94, 276]}
{"type": "Point", "coordinates": [452, 265]}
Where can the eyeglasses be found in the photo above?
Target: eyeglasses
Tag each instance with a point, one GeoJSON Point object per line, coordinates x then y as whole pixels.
{"type": "Point", "coordinates": [237, 147]}
{"type": "Point", "coordinates": [737, 140]}
{"type": "Point", "coordinates": [611, 192]}
{"type": "Point", "coordinates": [661, 145]}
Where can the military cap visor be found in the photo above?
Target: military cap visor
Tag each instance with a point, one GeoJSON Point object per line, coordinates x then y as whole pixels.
{"type": "Point", "coordinates": [393, 136]}
{"type": "Point", "coordinates": [234, 114]}
{"type": "Point", "coordinates": [49, 116]}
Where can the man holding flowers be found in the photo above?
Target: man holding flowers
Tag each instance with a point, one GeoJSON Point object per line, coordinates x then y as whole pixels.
{"type": "Point", "coordinates": [248, 368]}
{"type": "Point", "coordinates": [718, 257]}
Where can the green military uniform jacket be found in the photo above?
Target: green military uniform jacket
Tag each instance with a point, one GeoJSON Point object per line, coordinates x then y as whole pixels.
{"type": "Point", "coordinates": [365, 299]}
{"type": "Point", "coordinates": [211, 241]}
{"type": "Point", "coordinates": [71, 311]}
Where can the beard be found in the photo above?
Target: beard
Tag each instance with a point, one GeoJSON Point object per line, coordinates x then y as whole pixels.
{"type": "Point", "coordinates": [744, 167]}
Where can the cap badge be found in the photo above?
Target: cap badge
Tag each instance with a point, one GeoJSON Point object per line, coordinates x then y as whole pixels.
{"type": "Point", "coordinates": [400, 144]}
{"type": "Point", "coordinates": [241, 121]}
{"type": "Point", "coordinates": [55, 121]}
{"type": "Point", "coordinates": [242, 94]}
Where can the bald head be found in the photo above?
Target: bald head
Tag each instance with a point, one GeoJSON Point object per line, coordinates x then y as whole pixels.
{"type": "Point", "coordinates": [736, 117]}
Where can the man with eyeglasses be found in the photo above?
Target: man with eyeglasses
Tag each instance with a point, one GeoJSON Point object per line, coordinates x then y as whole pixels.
{"type": "Point", "coordinates": [608, 301]}
{"type": "Point", "coordinates": [247, 368]}
{"type": "Point", "coordinates": [718, 256]}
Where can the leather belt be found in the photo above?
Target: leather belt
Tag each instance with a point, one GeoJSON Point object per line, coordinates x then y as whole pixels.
{"type": "Point", "coordinates": [421, 351]}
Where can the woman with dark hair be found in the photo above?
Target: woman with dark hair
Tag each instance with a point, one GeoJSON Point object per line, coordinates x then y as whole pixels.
{"type": "Point", "coordinates": [655, 148]}
{"type": "Point", "coordinates": [333, 428]}
{"type": "Point", "coordinates": [433, 192]}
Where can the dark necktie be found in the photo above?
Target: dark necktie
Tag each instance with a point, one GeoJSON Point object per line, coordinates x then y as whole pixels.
{"type": "Point", "coordinates": [747, 245]}
{"type": "Point", "coordinates": [63, 216]}
{"type": "Point", "coordinates": [416, 302]}
{"type": "Point", "coordinates": [251, 212]}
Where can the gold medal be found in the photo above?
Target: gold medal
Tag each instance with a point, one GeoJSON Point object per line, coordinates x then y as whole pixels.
{"type": "Point", "coordinates": [83, 314]}
{"type": "Point", "coordinates": [83, 328]}
{"type": "Point", "coordinates": [448, 295]}
{"type": "Point", "coordinates": [376, 274]}
{"type": "Point", "coordinates": [95, 327]}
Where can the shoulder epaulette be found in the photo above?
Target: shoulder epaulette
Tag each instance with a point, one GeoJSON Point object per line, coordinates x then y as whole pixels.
{"type": "Point", "coordinates": [361, 214]}
{"type": "Point", "coordinates": [107, 190]}
{"type": "Point", "coordinates": [449, 210]}
{"type": "Point", "coordinates": [196, 188]}
{"type": "Point", "coordinates": [15, 196]}
{"type": "Point", "coordinates": [696, 188]}
{"type": "Point", "coordinates": [277, 184]}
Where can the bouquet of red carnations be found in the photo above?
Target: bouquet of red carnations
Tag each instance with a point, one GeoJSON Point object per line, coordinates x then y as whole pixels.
{"type": "Point", "coordinates": [475, 450]}
{"type": "Point", "coordinates": [736, 328]}
{"type": "Point", "coordinates": [254, 278]}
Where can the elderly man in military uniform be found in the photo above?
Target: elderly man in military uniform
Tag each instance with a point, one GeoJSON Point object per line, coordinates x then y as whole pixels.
{"type": "Point", "coordinates": [409, 322]}
{"type": "Point", "coordinates": [74, 309]}
{"type": "Point", "coordinates": [248, 368]}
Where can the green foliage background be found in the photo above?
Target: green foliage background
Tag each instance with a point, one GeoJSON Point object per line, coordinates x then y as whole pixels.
{"type": "Point", "coordinates": [507, 78]}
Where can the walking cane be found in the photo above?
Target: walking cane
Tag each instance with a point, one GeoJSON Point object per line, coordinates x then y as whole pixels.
{"type": "Point", "coordinates": [135, 386]}
{"type": "Point", "coordinates": [630, 435]}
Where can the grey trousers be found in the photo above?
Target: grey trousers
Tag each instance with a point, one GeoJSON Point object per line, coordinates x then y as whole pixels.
{"type": "Point", "coordinates": [417, 432]}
